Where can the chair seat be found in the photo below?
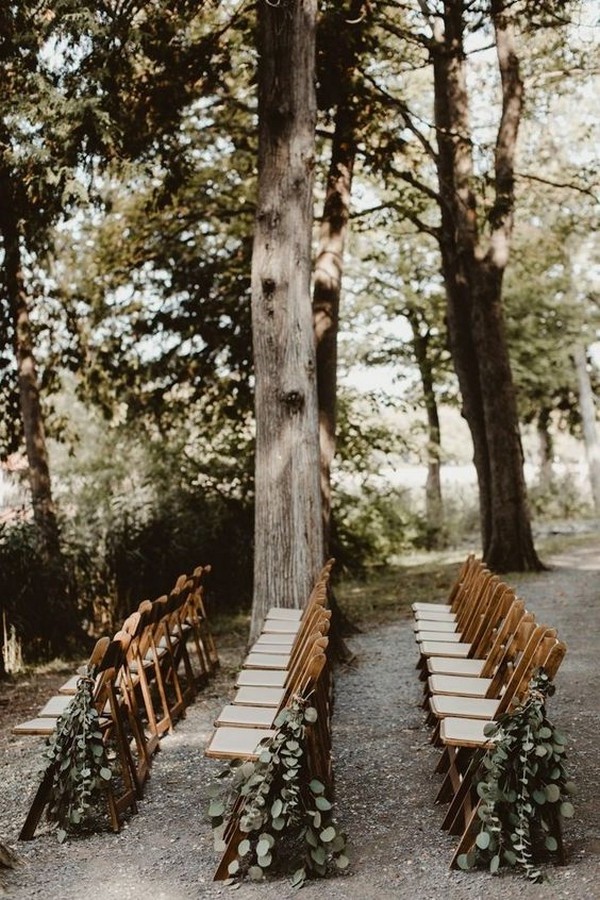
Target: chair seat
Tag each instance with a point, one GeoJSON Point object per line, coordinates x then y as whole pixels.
{"type": "Point", "coordinates": [427, 635]}
{"type": "Point", "coordinates": [285, 614]}
{"type": "Point", "coordinates": [463, 707]}
{"type": "Point", "coordinates": [275, 640]}
{"type": "Point", "coordinates": [280, 626]}
{"type": "Point", "coordinates": [55, 706]}
{"type": "Point", "coordinates": [261, 678]}
{"type": "Point", "coordinates": [267, 661]}
{"type": "Point", "coordinates": [459, 685]}
{"type": "Point", "coordinates": [431, 625]}
{"type": "Point", "coordinates": [147, 663]}
{"type": "Point", "coordinates": [271, 649]}
{"type": "Point", "coordinates": [434, 616]}
{"type": "Point", "coordinates": [431, 607]}
{"type": "Point", "coordinates": [259, 696]}
{"type": "Point", "coordinates": [235, 743]}
{"type": "Point", "coordinates": [459, 732]}
{"type": "Point", "coordinates": [445, 648]}
{"type": "Point", "coordinates": [246, 716]}
{"type": "Point", "coordinates": [38, 725]}
{"type": "Point", "coordinates": [445, 665]}
{"type": "Point", "coordinates": [70, 686]}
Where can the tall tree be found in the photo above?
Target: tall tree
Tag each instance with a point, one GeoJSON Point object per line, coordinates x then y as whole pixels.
{"type": "Point", "coordinates": [288, 542]}
{"type": "Point", "coordinates": [342, 40]}
{"type": "Point", "coordinates": [589, 424]}
{"type": "Point", "coordinates": [473, 264]}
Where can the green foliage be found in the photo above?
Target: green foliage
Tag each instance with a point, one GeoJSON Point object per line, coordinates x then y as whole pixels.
{"type": "Point", "coordinates": [81, 769]}
{"type": "Point", "coordinates": [287, 818]}
{"type": "Point", "coordinates": [524, 789]}
{"type": "Point", "coordinates": [27, 577]}
{"type": "Point", "coordinates": [559, 498]}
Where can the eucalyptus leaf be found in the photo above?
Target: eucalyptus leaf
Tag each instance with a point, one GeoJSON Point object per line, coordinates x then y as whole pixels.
{"type": "Point", "coordinates": [483, 840]}
{"type": "Point", "coordinates": [319, 855]}
{"type": "Point", "coordinates": [328, 834]}
{"type": "Point", "coordinates": [256, 873]}
{"type": "Point", "coordinates": [216, 808]}
{"type": "Point", "coordinates": [243, 847]}
{"type": "Point", "coordinates": [298, 878]}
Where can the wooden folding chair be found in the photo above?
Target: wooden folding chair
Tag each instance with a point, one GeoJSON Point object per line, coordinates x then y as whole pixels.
{"type": "Point", "coordinates": [461, 817]}
{"type": "Point", "coordinates": [478, 635]}
{"type": "Point", "coordinates": [424, 609]}
{"type": "Point", "coordinates": [487, 682]}
{"type": "Point", "coordinates": [44, 724]}
{"type": "Point", "coordinates": [318, 762]}
{"type": "Point", "coordinates": [478, 596]}
{"type": "Point", "coordinates": [279, 657]}
{"type": "Point", "coordinates": [512, 679]}
{"type": "Point", "coordinates": [462, 596]}
{"type": "Point", "coordinates": [107, 660]}
{"type": "Point", "coordinates": [164, 673]}
{"type": "Point", "coordinates": [456, 733]}
{"type": "Point", "coordinates": [262, 715]}
{"type": "Point", "coordinates": [285, 621]}
{"type": "Point", "coordinates": [194, 621]}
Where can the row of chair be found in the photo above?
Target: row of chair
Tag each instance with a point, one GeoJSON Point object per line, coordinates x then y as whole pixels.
{"type": "Point", "coordinates": [143, 680]}
{"type": "Point", "coordinates": [477, 655]}
{"type": "Point", "coordinates": [288, 660]}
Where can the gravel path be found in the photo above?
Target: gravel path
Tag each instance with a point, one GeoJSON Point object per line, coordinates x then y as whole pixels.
{"type": "Point", "coordinates": [385, 786]}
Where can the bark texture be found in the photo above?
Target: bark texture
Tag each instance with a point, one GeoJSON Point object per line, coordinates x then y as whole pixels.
{"type": "Point", "coordinates": [587, 408]}
{"type": "Point", "coordinates": [473, 264]}
{"type": "Point", "coordinates": [44, 511]}
{"type": "Point", "coordinates": [332, 239]}
{"type": "Point", "coordinates": [288, 524]}
{"type": "Point", "coordinates": [434, 507]}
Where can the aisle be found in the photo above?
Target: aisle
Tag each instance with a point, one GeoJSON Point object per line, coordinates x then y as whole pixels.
{"type": "Point", "coordinates": [385, 787]}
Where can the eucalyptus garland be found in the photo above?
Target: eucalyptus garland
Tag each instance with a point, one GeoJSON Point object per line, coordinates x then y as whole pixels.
{"type": "Point", "coordinates": [78, 760]}
{"type": "Point", "coordinates": [523, 787]}
{"type": "Point", "coordinates": [286, 817]}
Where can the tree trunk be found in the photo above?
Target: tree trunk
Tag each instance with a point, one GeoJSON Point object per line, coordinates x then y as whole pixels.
{"type": "Point", "coordinates": [473, 272]}
{"type": "Point", "coordinates": [330, 251]}
{"type": "Point", "coordinates": [587, 408]}
{"type": "Point", "coordinates": [546, 448]}
{"type": "Point", "coordinates": [434, 507]}
{"type": "Point", "coordinates": [44, 511]}
{"type": "Point", "coordinates": [288, 548]}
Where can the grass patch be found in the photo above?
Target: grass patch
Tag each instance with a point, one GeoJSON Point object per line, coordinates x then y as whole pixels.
{"type": "Point", "coordinates": [386, 595]}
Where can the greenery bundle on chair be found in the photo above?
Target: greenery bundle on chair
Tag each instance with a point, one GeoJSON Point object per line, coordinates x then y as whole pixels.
{"type": "Point", "coordinates": [285, 819]}
{"type": "Point", "coordinates": [78, 757]}
{"type": "Point", "coordinates": [523, 789]}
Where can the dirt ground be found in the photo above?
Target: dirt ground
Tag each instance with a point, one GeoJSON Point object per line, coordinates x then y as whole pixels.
{"type": "Point", "coordinates": [384, 769]}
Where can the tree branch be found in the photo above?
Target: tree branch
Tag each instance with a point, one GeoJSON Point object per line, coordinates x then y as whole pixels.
{"type": "Point", "coordinates": [568, 185]}
{"type": "Point", "coordinates": [501, 213]}
{"type": "Point", "coordinates": [411, 179]}
{"type": "Point", "coordinates": [407, 116]}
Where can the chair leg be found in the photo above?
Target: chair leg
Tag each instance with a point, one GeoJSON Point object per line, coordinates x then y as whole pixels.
{"type": "Point", "coordinates": [468, 837]}
{"type": "Point", "coordinates": [38, 805]}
